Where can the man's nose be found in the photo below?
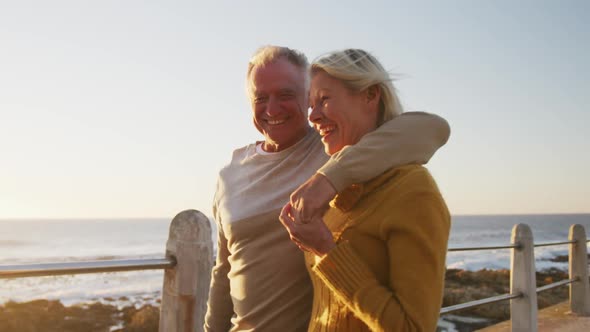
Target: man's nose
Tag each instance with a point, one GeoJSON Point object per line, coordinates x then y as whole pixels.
{"type": "Point", "coordinates": [273, 107]}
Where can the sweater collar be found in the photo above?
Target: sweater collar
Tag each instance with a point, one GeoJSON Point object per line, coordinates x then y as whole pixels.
{"type": "Point", "coordinates": [350, 196]}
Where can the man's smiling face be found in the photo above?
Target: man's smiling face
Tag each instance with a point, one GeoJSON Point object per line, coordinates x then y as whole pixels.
{"type": "Point", "coordinates": [279, 103]}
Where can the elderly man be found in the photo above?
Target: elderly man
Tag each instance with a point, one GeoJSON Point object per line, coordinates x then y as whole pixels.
{"type": "Point", "coordinates": [259, 282]}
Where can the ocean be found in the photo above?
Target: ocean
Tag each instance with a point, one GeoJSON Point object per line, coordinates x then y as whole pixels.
{"type": "Point", "coordinates": [43, 241]}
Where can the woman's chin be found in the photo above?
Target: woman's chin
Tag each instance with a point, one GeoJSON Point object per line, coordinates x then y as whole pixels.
{"type": "Point", "coordinates": [328, 151]}
{"type": "Point", "coordinates": [332, 143]}
{"type": "Point", "coordinates": [331, 149]}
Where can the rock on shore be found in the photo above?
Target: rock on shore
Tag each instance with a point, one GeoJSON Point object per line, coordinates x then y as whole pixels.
{"type": "Point", "coordinates": [53, 316]}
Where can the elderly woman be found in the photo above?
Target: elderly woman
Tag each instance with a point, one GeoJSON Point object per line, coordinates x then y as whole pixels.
{"type": "Point", "coordinates": [377, 258]}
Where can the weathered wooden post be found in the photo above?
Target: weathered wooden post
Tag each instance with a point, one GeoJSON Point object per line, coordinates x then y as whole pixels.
{"type": "Point", "coordinates": [523, 310]}
{"type": "Point", "coordinates": [186, 286]}
{"type": "Point", "coordinates": [578, 269]}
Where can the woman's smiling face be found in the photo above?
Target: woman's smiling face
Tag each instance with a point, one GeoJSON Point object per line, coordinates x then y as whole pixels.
{"type": "Point", "coordinates": [340, 115]}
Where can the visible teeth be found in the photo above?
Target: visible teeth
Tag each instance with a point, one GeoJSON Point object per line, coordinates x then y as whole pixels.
{"type": "Point", "coordinates": [326, 130]}
{"type": "Point", "coordinates": [275, 122]}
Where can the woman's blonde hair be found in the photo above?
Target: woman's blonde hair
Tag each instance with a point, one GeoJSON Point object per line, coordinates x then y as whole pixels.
{"type": "Point", "coordinates": [358, 70]}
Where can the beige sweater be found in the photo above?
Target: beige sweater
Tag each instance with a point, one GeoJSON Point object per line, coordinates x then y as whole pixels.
{"type": "Point", "coordinates": [259, 282]}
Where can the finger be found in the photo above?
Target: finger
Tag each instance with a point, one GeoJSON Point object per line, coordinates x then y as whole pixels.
{"type": "Point", "coordinates": [297, 215]}
{"type": "Point", "coordinates": [293, 197]}
{"type": "Point", "coordinates": [295, 212]}
{"type": "Point", "coordinates": [298, 202]}
{"type": "Point", "coordinates": [298, 244]}
{"type": "Point", "coordinates": [298, 212]}
{"type": "Point", "coordinates": [284, 217]}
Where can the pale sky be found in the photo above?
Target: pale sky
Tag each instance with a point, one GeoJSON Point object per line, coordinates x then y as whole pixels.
{"type": "Point", "coordinates": [130, 108]}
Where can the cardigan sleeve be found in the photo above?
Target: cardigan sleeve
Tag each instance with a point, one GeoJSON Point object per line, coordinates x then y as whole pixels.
{"type": "Point", "coordinates": [411, 138]}
{"type": "Point", "coordinates": [219, 305]}
{"type": "Point", "coordinates": [412, 298]}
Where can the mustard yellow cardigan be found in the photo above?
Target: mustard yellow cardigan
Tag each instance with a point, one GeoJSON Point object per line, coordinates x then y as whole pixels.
{"type": "Point", "coordinates": [387, 271]}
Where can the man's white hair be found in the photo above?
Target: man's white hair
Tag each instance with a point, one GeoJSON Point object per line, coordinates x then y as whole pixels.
{"type": "Point", "coordinates": [269, 54]}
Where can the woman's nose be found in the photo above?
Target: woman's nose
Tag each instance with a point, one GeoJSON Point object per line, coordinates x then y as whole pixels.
{"type": "Point", "coordinates": [315, 115]}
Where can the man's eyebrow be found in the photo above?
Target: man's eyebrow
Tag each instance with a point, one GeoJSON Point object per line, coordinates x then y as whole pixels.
{"type": "Point", "coordinates": [289, 90]}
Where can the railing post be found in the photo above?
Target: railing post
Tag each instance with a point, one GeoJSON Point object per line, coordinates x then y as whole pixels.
{"type": "Point", "coordinates": [578, 268]}
{"type": "Point", "coordinates": [523, 310]}
{"type": "Point", "coordinates": [186, 286]}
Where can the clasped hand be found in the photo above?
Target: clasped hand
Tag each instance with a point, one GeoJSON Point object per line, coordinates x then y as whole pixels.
{"type": "Point", "coordinates": [311, 199]}
{"type": "Point", "coordinates": [313, 236]}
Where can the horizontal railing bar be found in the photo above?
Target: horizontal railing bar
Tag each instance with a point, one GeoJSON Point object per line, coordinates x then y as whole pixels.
{"type": "Point", "coordinates": [476, 303]}
{"type": "Point", "coordinates": [516, 246]}
{"type": "Point", "coordinates": [553, 244]}
{"type": "Point", "coordinates": [53, 269]}
{"type": "Point", "coordinates": [556, 284]}
{"type": "Point", "coordinates": [485, 248]}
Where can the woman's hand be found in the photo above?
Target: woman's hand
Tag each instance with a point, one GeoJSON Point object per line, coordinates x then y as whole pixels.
{"type": "Point", "coordinates": [311, 199]}
{"type": "Point", "coordinates": [313, 236]}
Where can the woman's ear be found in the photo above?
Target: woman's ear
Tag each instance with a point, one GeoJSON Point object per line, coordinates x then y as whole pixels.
{"type": "Point", "coordinates": [373, 96]}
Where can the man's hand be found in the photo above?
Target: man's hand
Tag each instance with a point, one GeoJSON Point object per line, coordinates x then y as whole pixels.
{"type": "Point", "coordinates": [313, 236]}
{"type": "Point", "coordinates": [311, 199]}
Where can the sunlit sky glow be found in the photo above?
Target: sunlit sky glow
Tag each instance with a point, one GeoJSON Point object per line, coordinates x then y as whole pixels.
{"type": "Point", "coordinates": [130, 108]}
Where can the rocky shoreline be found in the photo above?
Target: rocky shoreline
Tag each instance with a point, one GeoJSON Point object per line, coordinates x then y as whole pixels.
{"type": "Point", "coordinates": [106, 316]}
{"type": "Point", "coordinates": [53, 316]}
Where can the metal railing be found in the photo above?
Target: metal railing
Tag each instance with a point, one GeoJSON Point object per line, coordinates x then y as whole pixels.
{"type": "Point", "coordinates": [549, 244]}
{"type": "Point", "coordinates": [512, 246]}
{"type": "Point", "coordinates": [476, 303]}
{"type": "Point", "coordinates": [54, 269]}
{"type": "Point", "coordinates": [556, 284]}
{"type": "Point", "coordinates": [523, 299]}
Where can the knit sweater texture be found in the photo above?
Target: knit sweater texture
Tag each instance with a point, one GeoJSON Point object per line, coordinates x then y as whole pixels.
{"type": "Point", "coordinates": [259, 281]}
{"type": "Point", "coordinates": [386, 272]}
